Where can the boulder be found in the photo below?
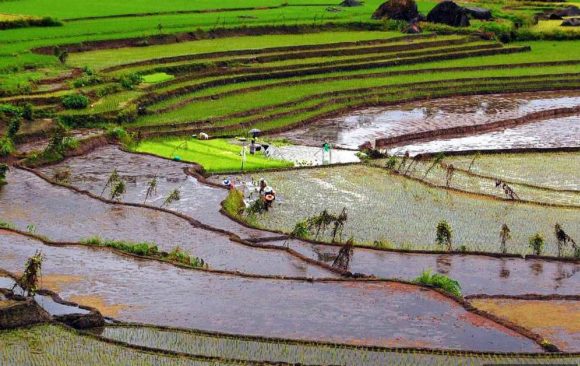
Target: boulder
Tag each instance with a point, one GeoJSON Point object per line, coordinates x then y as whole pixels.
{"type": "Point", "coordinates": [19, 312]}
{"type": "Point", "coordinates": [447, 12]}
{"type": "Point", "coordinates": [350, 3]}
{"type": "Point", "coordinates": [569, 11]}
{"type": "Point", "coordinates": [572, 22]}
{"type": "Point", "coordinates": [397, 10]}
{"type": "Point", "coordinates": [82, 321]}
{"type": "Point", "coordinates": [478, 13]}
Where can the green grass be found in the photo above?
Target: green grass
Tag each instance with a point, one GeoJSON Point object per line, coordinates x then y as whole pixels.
{"type": "Point", "coordinates": [158, 77]}
{"type": "Point", "coordinates": [443, 282]}
{"type": "Point", "coordinates": [216, 155]}
{"type": "Point", "coordinates": [55, 345]}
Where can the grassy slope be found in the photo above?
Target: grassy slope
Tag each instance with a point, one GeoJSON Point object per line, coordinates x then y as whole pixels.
{"type": "Point", "coordinates": [214, 155]}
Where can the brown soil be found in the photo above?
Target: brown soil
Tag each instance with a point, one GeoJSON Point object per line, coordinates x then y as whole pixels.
{"type": "Point", "coordinates": [97, 302]}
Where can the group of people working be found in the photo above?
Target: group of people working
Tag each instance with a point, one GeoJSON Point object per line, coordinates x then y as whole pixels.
{"type": "Point", "coordinates": [266, 193]}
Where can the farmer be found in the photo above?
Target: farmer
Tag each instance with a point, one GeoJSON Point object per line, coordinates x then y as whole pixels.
{"type": "Point", "coordinates": [262, 186]}
{"type": "Point", "coordinates": [253, 147]}
{"type": "Point", "coordinates": [228, 183]}
{"type": "Point", "coordinates": [269, 197]}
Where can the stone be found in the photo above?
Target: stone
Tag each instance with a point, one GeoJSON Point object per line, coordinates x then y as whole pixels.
{"type": "Point", "coordinates": [448, 12]}
{"type": "Point", "coordinates": [397, 10]}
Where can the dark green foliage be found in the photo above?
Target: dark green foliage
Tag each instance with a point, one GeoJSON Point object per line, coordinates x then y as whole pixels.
{"type": "Point", "coordinates": [391, 163]}
{"type": "Point", "coordinates": [130, 81]}
{"type": "Point", "coordinates": [118, 190]}
{"type": "Point", "coordinates": [537, 243]}
{"type": "Point", "coordinates": [87, 80]}
{"type": "Point", "coordinates": [444, 234]}
{"type": "Point", "coordinates": [563, 239]}
{"type": "Point", "coordinates": [28, 112]}
{"type": "Point", "coordinates": [325, 220]}
{"type": "Point", "coordinates": [256, 207]}
{"type": "Point", "coordinates": [13, 127]}
{"type": "Point", "coordinates": [301, 230]}
{"type": "Point", "coordinates": [504, 235]}
{"type": "Point", "coordinates": [75, 101]}
{"type": "Point", "coordinates": [6, 146]}
{"type": "Point", "coordinates": [30, 22]}
{"type": "Point", "coordinates": [3, 170]}
{"type": "Point", "coordinates": [443, 282]}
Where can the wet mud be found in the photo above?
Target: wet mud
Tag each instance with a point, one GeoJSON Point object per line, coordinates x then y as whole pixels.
{"type": "Point", "coordinates": [361, 313]}
{"type": "Point", "coordinates": [65, 216]}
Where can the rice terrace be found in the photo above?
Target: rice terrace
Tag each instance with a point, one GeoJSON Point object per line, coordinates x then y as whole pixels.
{"type": "Point", "coordinates": [290, 182]}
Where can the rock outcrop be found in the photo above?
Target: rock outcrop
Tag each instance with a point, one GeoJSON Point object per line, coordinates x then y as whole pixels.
{"type": "Point", "coordinates": [397, 10]}
{"type": "Point", "coordinates": [448, 12]}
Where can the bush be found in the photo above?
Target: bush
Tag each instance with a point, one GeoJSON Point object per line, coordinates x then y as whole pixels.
{"type": "Point", "coordinates": [3, 170]}
{"type": "Point", "coordinates": [444, 234]}
{"type": "Point", "coordinates": [234, 203]}
{"type": "Point", "coordinates": [6, 146]}
{"type": "Point", "coordinates": [130, 81]}
{"type": "Point", "coordinates": [28, 112]}
{"type": "Point", "coordinates": [75, 101]}
{"type": "Point", "coordinates": [301, 230]}
{"type": "Point", "coordinates": [443, 282]}
{"type": "Point", "coordinates": [13, 127]}
{"type": "Point", "coordinates": [121, 135]}
{"type": "Point", "coordinates": [87, 80]}
{"type": "Point", "coordinates": [537, 243]}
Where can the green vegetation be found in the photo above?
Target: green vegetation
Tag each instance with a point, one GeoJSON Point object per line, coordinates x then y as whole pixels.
{"type": "Point", "coordinates": [305, 353]}
{"type": "Point", "coordinates": [176, 255]}
{"type": "Point", "coordinates": [76, 101]}
{"type": "Point", "coordinates": [158, 77]}
{"type": "Point", "coordinates": [216, 155]}
{"type": "Point", "coordinates": [234, 203]}
{"type": "Point", "coordinates": [56, 345]}
{"type": "Point", "coordinates": [440, 281]}
{"type": "Point", "coordinates": [386, 207]}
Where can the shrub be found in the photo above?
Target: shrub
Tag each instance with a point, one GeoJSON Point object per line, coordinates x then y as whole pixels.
{"type": "Point", "coordinates": [391, 163]}
{"type": "Point", "coordinates": [13, 127]}
{"type": "Point", "coordinates": [3, 170]}
{"type": "Point", "coordinates": [87, 80]}
{"type": "Point", "coordinates": [130, 81]}
{"type": "Point", "coordinates": [301, 230]}
{"type": "Point", "coordinates": [28, 112]}
{"type": "Point", "coordinates": [121, 135]}
{"type": "Point", "coordinates": [75, 101]}
{"type": "Point", "coordinates": [234, 203]}
{"type": "Point", "coordinates": [177, 255]}
{"type": "Point", "coordinates": [444, 234]}
{"type": "Point", "coordinates": [443, 282]}
{"type": "Point", "coordinates": [6, 146]}
{"type": "Point", "coordinates": [537, 243]}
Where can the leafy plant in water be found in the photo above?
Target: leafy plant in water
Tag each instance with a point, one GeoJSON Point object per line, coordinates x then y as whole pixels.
{"type": "Point", "coordinates": [234, 202]}
{"type": "Point", "coordinates": [62, 176]}
{"type": "Point", "coordinates": [443, 282]}
{"type": "Point", "coordinates": [537, 243]}
{"type": "Point", "coordinates": [563, 239]}
{"type": "Point", "coordinates": [177, 255]}
{"type": "Point", "coordinates": [113, 179]}
{"type": "Point", "coordinates": [118, 190]}
{"type": "Point", "coordinates": [504, 235]}
{"type": "Point", "coordinates": [444, 234]}
{"type": "Point", "coordinates": [31, 228]}
{"type": "Point", "coordinates": [6, 146]}
{"type": "Point", "coordinates": [172, 197]}
{"type": "Point", "coordinates": [256, 207]}
{"type": "Point", "coordinates": [324, 220]}
{"type": "Point", "coordinates": [32, 272]}
{"type": "Point", "coordinates": [342, 260]}
{"type": "Point", "coordinates": [151, 188]}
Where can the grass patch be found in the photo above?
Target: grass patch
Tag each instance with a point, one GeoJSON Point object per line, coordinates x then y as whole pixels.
{"type": "Point", "coordinates": [440, 281]}
{"type": "Point", "coordinates": [158, 77]}
{"type": "Point", "coordinates": [217, 155]}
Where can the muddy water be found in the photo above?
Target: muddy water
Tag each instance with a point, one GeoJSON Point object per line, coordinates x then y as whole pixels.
{"type": "Point", "coordinates": [369, 124]}
{"type": "Point", "coordinates": [201, 202]}
{"type": "Point", "coordinates": [476, 274]}
{"type": "Point", "coordinates": [361, 313]}
{"type": "Point", "coordinates": [309, 155]}
{"type": "Point", "coordinates": [63, 215]}
{"type": "Point", "coordinates": [550, 133]}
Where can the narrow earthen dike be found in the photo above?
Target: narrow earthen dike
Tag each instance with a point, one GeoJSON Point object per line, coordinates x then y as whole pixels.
{"type": "Point", "coordinates": [476, 129]}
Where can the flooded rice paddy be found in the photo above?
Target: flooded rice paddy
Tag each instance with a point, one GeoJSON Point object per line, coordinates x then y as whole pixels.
{"type": "Point", "coordinates": [476, 274]}
{"type": "Point", "coordinates": [402, 213]}
{"type": "Point", "coordinates": [556, 320]}
{"type": "Point", "coordinates": [356, 128]}
{"type": "Point", "coordinates": [549, 133]}
{"type": "Point", "coordinates": [198, 201]}
{"type": "Point", "coordinates": [65, 216]}
{"type": "Point", "coordinates": [387, 314]}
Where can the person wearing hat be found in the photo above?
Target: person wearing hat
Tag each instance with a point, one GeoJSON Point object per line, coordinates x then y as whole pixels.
{"type": "Point", "coordinates": [269, 197]}
{"type": "Point", "coordinates": [228, 184]}
{"type": "Point", "coordinates": [262, 185]}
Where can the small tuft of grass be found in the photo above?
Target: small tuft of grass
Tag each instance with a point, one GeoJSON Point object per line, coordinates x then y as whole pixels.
{"type": "Point", "coordinates": [443, 282]}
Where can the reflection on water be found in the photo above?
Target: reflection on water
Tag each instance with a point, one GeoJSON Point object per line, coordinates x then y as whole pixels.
{"type": "Point", "coordinates": [367, 125]}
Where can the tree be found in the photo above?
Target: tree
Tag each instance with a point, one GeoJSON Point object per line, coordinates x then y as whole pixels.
{"type": "Point", "coordinates": [504, 235]}
{"type": "Point", "coordinates": [563, 239]}
{"type": "Point", "coordinates": [32, 271]}
{"type": "Point", "coordinates": [113, 178]}
{"type": "Point", "coordinates": [444, 234]}
{"type": "Point", "coordinates": [151, 188]}
{"type": "Point", "coordinates": [62, 57]}
{"type": "Point", "coordinates": [342, 261]}
{"type": "Point", "coordinates": [118, 190]}
{"type": "Point", "coordinates": [537, 243]}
